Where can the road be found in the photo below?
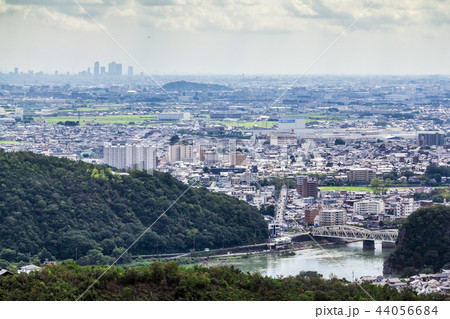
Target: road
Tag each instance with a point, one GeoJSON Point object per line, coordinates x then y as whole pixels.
{"type": "Point", "coordinates": [281, 205]}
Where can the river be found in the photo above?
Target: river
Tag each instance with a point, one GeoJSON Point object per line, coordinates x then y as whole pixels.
{"type": "Point", "coordinates": [341, 261]}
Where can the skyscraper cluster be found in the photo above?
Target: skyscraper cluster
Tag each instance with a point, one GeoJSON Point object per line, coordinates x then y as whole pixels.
{"type": "Point", "coordinates": [114, 69]}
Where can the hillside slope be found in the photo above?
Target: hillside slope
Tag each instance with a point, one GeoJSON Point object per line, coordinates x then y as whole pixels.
{"type": "Point", "coordinates": [51, 207]}
{"type": "Point", "coordinates": [423, 242]}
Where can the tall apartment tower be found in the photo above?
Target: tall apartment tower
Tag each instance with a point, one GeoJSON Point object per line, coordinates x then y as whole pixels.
{"type": "Point", "coordinates": [180, 152]}
{"type": "Point", "coordinates": [96, 68]}
{"type": "Point", "coordinates": [130, 71]}
{"type": "Point", "coordinates": [430, 139]}
{"type": "Point", "coordinates": [130, 156]}
{"type": "Point", "coordinates": [307, 188]}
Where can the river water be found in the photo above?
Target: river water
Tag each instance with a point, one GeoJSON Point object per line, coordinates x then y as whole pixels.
{"type": "Point", "coordinates": [342, 261]}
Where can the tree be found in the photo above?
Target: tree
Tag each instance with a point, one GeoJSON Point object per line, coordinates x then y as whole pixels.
{"type": "Point", "coordinates": [377, 185]}
{"type": "Point", "coordinates": [339, 141]}
{"type": "Point", "coordinates": [174, 139]}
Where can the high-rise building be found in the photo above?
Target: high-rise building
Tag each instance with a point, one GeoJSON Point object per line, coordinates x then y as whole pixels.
{"type": "Point", "coordinates": [307, 188]}
{"type": "Point", "coordinates": [96, 68]}
{"type": "Point", "coordinates": [129, 156]}
{"type": "Point", "coordinates": [430, 138]}
{"type": "Point", "coordinates": [16, 70]}
{"type": "Point", "coordinates": [202, 154]}
{"type": "Point", "coordinates": [115, 69]}
{"type": "Point", "coordinates": [330, 217]}
{"type": "Point", "coordinates": [130, 71]}
{"type": "Point", "coordinates": [310, 214]}
{"type": "Point", "coordinates": [180, 152]}
{"type": "Point", "coordinates": [237, 158]}
{"type": "Point", "coordinates": [102, 70]}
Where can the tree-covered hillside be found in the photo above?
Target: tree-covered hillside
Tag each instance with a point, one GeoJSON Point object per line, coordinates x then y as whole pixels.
{"type": "Point", "coordinates": [171, 282]}
{"type": "Point", "coordinates": [51, 207]}
{"type": "Point", "coordinates": [423, 242]}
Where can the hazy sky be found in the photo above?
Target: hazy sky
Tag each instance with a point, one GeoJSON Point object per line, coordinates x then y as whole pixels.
{"type": "Point", "coordinates": [231, 37]}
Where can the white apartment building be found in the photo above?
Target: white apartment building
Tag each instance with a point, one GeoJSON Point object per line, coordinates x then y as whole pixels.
{"type": "Point", "coordinates": [368, 207]}
{"type": "Point", "coordinates": [330, 217]}
{"type": "Point", "coordinates": [130, 156]}
{"type": "Point", "coordinates": [405, 208]}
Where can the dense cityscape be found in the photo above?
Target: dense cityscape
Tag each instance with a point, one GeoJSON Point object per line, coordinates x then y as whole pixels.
{"type": "Point", "coordinates": [332, 153]}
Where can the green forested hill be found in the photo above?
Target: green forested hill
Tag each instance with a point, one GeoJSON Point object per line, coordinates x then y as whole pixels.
{"type": "Point", "coordinates": [51, 207]}
{"type": "Point", "coordinates": [423, 242]}
{"type": "Point", "coordinates": [171, 282]}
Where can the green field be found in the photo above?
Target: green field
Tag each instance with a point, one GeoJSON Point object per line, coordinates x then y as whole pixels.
{"type": "Point", "coordinates": [107, 119]}
{"type": "Point", "coordinates": [347, 188]}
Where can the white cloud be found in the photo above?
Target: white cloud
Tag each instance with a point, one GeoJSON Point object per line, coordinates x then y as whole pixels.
{"type": "Point", "coordinates": [63, 20]}
{"type": "Point", "coordinates": [287, 16]}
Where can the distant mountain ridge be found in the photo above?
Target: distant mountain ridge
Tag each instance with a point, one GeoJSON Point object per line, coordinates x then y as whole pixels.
{"type": "Point", "coordinates": [194, 86]}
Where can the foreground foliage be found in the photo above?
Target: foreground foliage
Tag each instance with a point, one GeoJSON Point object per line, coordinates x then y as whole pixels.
{"type": "Point", "coordinates": [171, 282]}
{"type": "Point", "coordinates": [57, 208]}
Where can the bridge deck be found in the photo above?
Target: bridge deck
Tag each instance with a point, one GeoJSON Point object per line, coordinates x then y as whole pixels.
{"type": "Point", "coordinates": [350, 232]}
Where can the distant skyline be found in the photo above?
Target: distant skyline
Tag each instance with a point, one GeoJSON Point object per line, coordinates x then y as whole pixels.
{"type": "Point", "coordinates": [227, 37]}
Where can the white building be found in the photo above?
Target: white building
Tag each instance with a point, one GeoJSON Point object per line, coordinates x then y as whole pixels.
{"type": "Point", "coordinates": [29, 268]}
{"type": "Point", "coordinates": [282, 140]}
{"type": "Point", "coordinates": [405, 208]}
{"type": "Point", "coordinates": [130, 156]}
{"type": "Point", "coordinates": [330, 217]}
{"type": "Point", "coordinates": [368, 207]}
{"type": "Point", "coordinates": [18, 113]}
{"type": "Point", "coordinates": [211, 157]}
{"type": "Point", "coordinates": [174, 116]}
{"type": "Point", "coordinates": [291, 123]}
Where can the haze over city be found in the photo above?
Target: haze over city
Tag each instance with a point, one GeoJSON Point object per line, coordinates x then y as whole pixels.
{"type": "Point", "coordinates": [227, 37]}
